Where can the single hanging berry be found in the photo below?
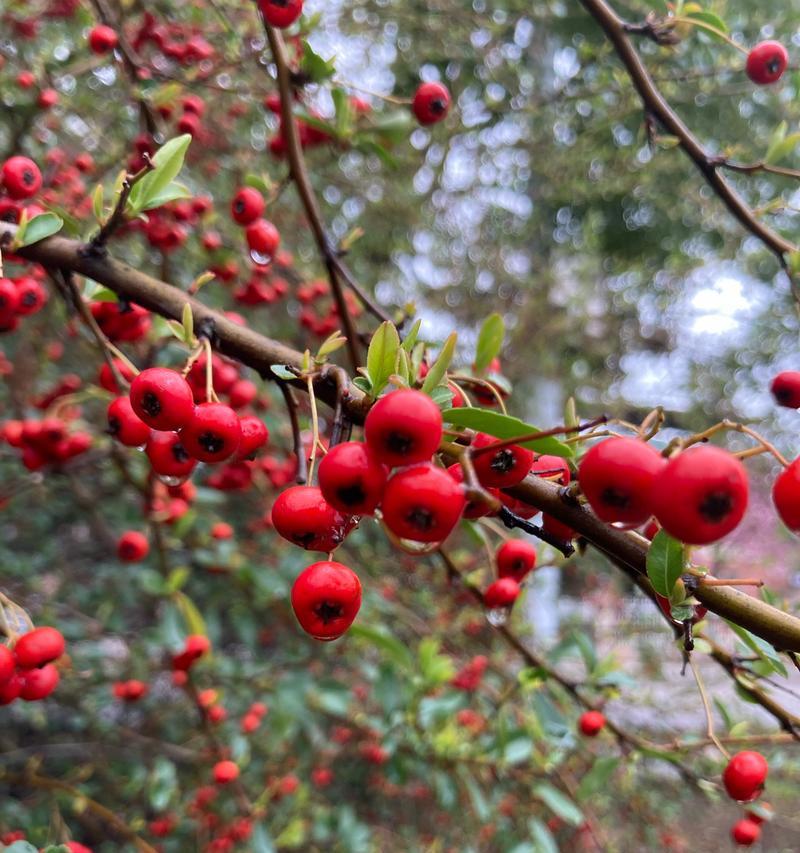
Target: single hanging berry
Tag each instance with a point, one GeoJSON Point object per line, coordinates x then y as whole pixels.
{"type": "Point", "coordinates": [326, 598]}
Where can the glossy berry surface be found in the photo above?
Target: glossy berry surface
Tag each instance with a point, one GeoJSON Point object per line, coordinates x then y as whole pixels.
{"type": "Point", "coordinates": [132, 546]}
{"type": "Point", "coordinates": [422, 503]}
{"type": "Point", "coordinates": [102, 39]}
{"type": "Point", "coordinates": [38, 683]}
{"type": "Point", "coordinates": [746, 832]}
{"type": "Point", "coordinates": [7, 664]}
{"type": "Point", "coordinates": [501, 593]}
{"type": "Point", "coordinates": [431, 103]}
{"type": "Point", "coordinates": [38, 647]}
{"type": "Point", "coordinates": [785, 388]}
{"type": "Point", "coordinates": [225, 772]}
{"type": "Point", "coordinates": [515, 559]}
{"type": "Point", "coordinates": [168, 456]}
{"type": "Point", "coordinates": [253, 436]}
{"type": "Point", "coordinates": [21, 177]}
{"type": "Point", "coordinates": [701, 495]}
{"type": "Point", "coordinates": [476, 508]}
{"type": "Point", "coordinates": [591, 723]}
{"type": "Point", "coordinates": [351, 478]}
{"type": "Point", "coordinates": [303, 516]}
{"type": "Point", "coordinates": [326, 598]}
{"type": "Point", "coordinates": [281, 13]}
{"type": "Point", "coordinates": [766, 62]}
{"type": "Point", "coordinates": [125, 425]}
{"type": "Point", "coordinates": [263, 238]}
{"type": "Point", "coordinates": [162, 398]}
{"type": "Point", "coordinates": [213, 434]}
{"type": "Point", "coordinates": [786, 495]}
{"type": "Point", "coordinates": [617, 476]}
{"type": "Point", "coordinates": [403, 427]}
{"type": "Point", "coordinates": [501, 468]}
{"type": "Point", "coordinates": [247, 205]}
{"type": "Point", "coordinates": [745, 775]}
{"type": "Point", "coordinates": [9, 301]}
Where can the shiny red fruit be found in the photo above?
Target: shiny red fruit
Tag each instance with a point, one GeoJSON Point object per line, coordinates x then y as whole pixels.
{"type": "Point", "coordinates": [7, 664]}
{"type": "Point", "coordinates": [168, 456]}
{"type": "Point", "coordinates": [403, 427]}
{"type": "Point", "coordinates": [125, 425]}
{"type": "Point", "coordinates": [38, 683]}
{"type": "Point", "coordinates": [31, 296]}
{"type": "Point", "coordinates": [254, 436]}
{"type": "Point", "coordinates": [281, 13]}
{"type": "Point", "coordinates": [786, 495]}
{"type": "Point", "coordinates": [745, 775]}
{"type": "Point", "coordinates": [431, 103]}
{"type": "Point", "coordinates": [616, 476]}
{"type": "Point", "coordinates": [10, 689]}
{"type": "Point", "coordinates": [263, 238]}
{"type": "Point", "coordinates": [247, 205]}
{"type": "Point", "coordinates": [225, 772]}
{"type": "Point", "coordinates": [766, 62]}
{"type": "Point", "coordinates": [422, 503]}
{"type": "Point", "coordinates": [162, 398]}
{"type": "Point", "coordinates": [501, 593]}
{"type": "Point", "coordinates": [213, 434]}
{"type": "Point", "coordinates": [351, 479]}
{"type": "Point", "coordinates": [326, 598]}
{"type": "Point", "coordinates": [515, 558]}
{"type": "Point", "coordinates": [21, 177]}
{"type": "Point", "coordinates": [303, 516]}
{"type": "Point", "coordinates": [477, 508]}
{"type": "Point", "coordinates": [701, 494]}
{"type": "Point", "coordinates": [591, 723]}
{"type": "Point", "coordinates": [102, 39]}
{"type": "Point", "coordinates": [785, 389]}
{"type": "Point", "coordinates": [132, 546]}
{"type": "Point", "coordinates": [746, 832]}
{"type": "Point", "coordinates": [38, 647]}
{"type": "Point", "coordinates": [9, 301]}
{"type": "Point", "coordinates": [501, 468]}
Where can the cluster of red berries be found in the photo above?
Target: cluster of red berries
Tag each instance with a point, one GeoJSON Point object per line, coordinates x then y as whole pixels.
{"type": "Point", "coordinates": [515, 560]}
{"type": "Point", "coordinates": [27, 671]}
{"type": "Point", "coordinates": [262, 236]}
{"type": "Point", "coordinates": [309, 136]}
{"type": "Point", "coordinates": [122, 321]}
{"type": "Point", "coordinates": [178, 42]}
{"type": "Point", "coordinates": [44, 442]}
{"type": "Point", "coordinates": [19, 297]}
{"type": "Point", "coordinates": [320, 314]}
{"type": "Point", "coordinates": [743, 778]}
{"type": "Point", "coordinates": [697, 496]}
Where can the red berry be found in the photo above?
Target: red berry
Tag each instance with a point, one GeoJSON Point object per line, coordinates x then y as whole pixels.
{"type": "Point", "coordinates": [501, 593]}
{"type": "Point", "coordinates": [476, 508]}
{"type": "Point", "coordinates": [766, 62]}
{"type": "Point", "coordinates": [263, 238]}
{"type": "Point", "coordinates": [351, 479]}
{"type": "Point", "coordinates": [501, 468]}
{"type": "Point", "coordinates": [745, 775]}
{"type": "Point", "coordinates": [431, 103]}
{"type": "Point", "coordinates": [7, 664]}
{"type": "Point", "coordinates": [247, 205]}
{"type": "Point", "coordinates": [746, 832]}
{"type": "Point", "coordinates": [700, 495]}
{"type": "Point", "coordinates": [254, 435]}
{"type": "Point", "coordinates": [132, 546]}
{"type": "Point", "coordinates": [125, 425]}
{"type": "Point", "coordinates": [21, 177]}
{"type": "Point", "coordinates": [102, 39]}
{"type": "Point", "coordinates": [326, 598]}
{"type": "Point", "coordinates": [422, 503]}
{"type": "Point", "coordinates": [213, 434]}
{"type": "Point", "coordinates": [221, 530]}
{"type": "Point", "coordinates": [552, 468]}
{"type": "Point", "coordinates": [617, 476]}
{"type": "Point", "coordinates": [303, 516]}
{"type": "Point", "coordinates": [591, 723]}
{"type": "Point", "coordinates": [31, 296]}
{"type": "Point", "coordinates": [403, 427]}
{"type": "Point", "coordinates": [225, 772]}
{"type": "Point", "coordinates": [281, 13]}
{"type": "Point", "coordinates": [162, 398]}
{"type": "Point", "coordinates": [10, 690]}
{"type": "Point", "coordinates": [168, 456]}
{"type": "Point", "coordinates": [515, 558]}
{"type": "Point", "coordinates": [9, 301]}
{"type": "Point", "coordinates": [785, 389]}
{"type": "Point", "coordinates": [38, 683]}
{"type": "Point", "coordinates": [38, 647]}
{"type": "Point", "coordinates": [106, 377]}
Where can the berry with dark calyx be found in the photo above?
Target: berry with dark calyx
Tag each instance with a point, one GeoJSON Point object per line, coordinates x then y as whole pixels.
{"type": "Point", "coordinates": [351, 479]}
{"type": "Point", "coordinates": [38, 683]}
{"type": "Point", "coordinates": [168, 456]}
{"type": "Point", "coordinates": [225, 772]}
{"type": "Point", "coordinates": [125, 425]}
{"type": "Point", "coordinates": [502, 468]}
{"type": "Point", "coordinates": [744, 775]}
{"type": "Point", "coordinates": [785, 388]}
{"type": "Point", "coordinates": [616, 476]}
{"type": "Point", "coordinates": [515, 559]}
{"type": "Point", "coordinates": [302, 515]}
{"type": "Point", "coordinates": [281, 13]}
{"type": "Point", "coordinates": [745, 832]}
{"type": "Point", "coordinates": [501, 593]}
{"type": "Point", "coordinates": [213, 434]}
{"type": "Point", "coordinates": [263, 238]}
{"type": "Point", "coordinates": [591, 723]}
{"type": "Point", "coordinates": [326, 598]}
{"type": "Point", "coordinates": [403, 427]}
{"type": "Point", "coordinates": [766, 62]}
{"type": "Point", "coordinates": [422, 504]}
{"type": "Point", "coordinates": [254, 436]}
{"type": "Point", "coordinates": [247, 205]}
{"type": "Point", "coordinates": [132, 546]}
{"type": "Point", "coordinates": [31, 296]}
{"type": "Point", "coordinates": [700, 495]}
{"type": "Point", "coordinates": [21, 177]}
{"type": "Point", "coordinates": [431, 103]}
{"type": "Point", "coordinates": [476, 508]}
{"type": "Point", "coordinates": [9, 301]}
{"type": "Point", "coordinates": [102, 39]}
{"type": "Point", "coordinates": [7, 664]}
{"type": "Point", "coordinates": [162, 398]}
{"type": "Point", "coordinates": [38, 647]}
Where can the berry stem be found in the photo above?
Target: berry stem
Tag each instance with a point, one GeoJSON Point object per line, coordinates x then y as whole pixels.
{"type": "Point", "coordinates": [211, 395]}
{"type": "Point", "coordinates": [192, 360]}
{"type": "Point", "coordinates": [694, 22]}
{"type": "Point", "coordinates": [533, 436]}
{"type": "Point", "coordinates": [314, 427]}
{"type": "Point", "coordinates": [709, 716]}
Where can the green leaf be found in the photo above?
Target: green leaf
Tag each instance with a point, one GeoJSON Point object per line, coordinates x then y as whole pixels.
{"type": "Point", "coordinates": [782, 149]}
{"type": "Point", "coordinates": [167, 163]}
{"type": "Point", "coordinates": [385, 642]}
{"type": "Point", "coordinates": [39, 228]}
{"type": "Point", "coordinates": [330, 345]}
{"type": "Point", "coordinates": [438, 369]}
{"type": "Point", "coordinates": [344, 112]}
{"type": "Point", "coordinates": [434, 667]}
{"type": "Point", "coordinates": [760, 647]}
{"type": "Point", "coordinates": [411, 338]}
{"type": "Point", "coordinates": [504, 426]}
{"type": "Point", "coordinates": [195, 623]}
{"type": "Point", "coordinates": [282, 372]}
{"type": "Point", "coordinates": [490, 340]}
{"type": "Point", "coordinates": [98, 200]}
{"type": "Point", "coordinates": [177, 578]}
{"type": "Point", "coordinates": [542, 837]}
{"type": "Point", "coordinates": [559, 803]}
{"type": "Point", "coordinates": [394, 126]}
{"type": "Point", "coordinates": [518, 750]}
{"type": "Point", "coordinates": [711, 19]}
{"type": "Point", "coordinates": [775, 141]}
{"type": "Point", "coordinates": [314, 66]}
{"type": "Point", "coordinates": [666, 561]}
{"type": "Point", "coordinates": [369, 146]}
{"type": "Point", "coordinates": [598, 777]}
{"type": "Point", "coordinates": [382, 356]}
{"type": "Point", "coordinates": [187, 321]}
{"type": "Point", "coordinates": [170, 193]}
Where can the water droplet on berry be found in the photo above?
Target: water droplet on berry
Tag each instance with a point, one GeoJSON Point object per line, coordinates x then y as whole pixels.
{"type": "Point", "coordinates": [260, 258]}
{"type": "Point", "coordinates": [172, 481]}
{"type": "Point", "coordinates": [497, 616]}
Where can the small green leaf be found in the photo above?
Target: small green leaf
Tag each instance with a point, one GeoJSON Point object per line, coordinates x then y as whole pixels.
{"type": "Point", "coordinates": [559, 803]}
{"type": "Point", "coordinates": [283, 372]}
{"type": "Point", "coordinates": [411, 338]}
{"type": "Point", "coordinates": [504, 426]}
{"type": "Point", "coordinates": [598, 777]}
{"type": "Point", "coordinates": [666, 561]}
{"type": "Point", "coordinates": [363, 384]}
{"type": "Point", "coordinates": [760, 647]}
{"type": "Point", "coordinates": [490, 340]}
{"type": "Point", "coordinates": [394, 126]}
{"type": "Point", "coordinates": [167, 163]}
{"type": "Point", "coordinates": [177, 329]}
{"type": "Point", "coordinates": [258, 182]}
{"type": "Point", "coordinates": [39, 228]}
{"type": "Point", "coordinates": [344, 112]}
{"type": "Point", "coordinates": [195, 624]}
{"type": "Point", "coordinates": [775, 141]}
{"type": "Point", "coordinates": [187, 320]}
{"type": "Point", "coordinates": [382, 356]}
{"type": "Point", "coordinates": [542, 837]}
{"type": "Point", "coordinates": [330, 345]}
{"type": "Point", "coordinates": [709, 18]}
{"type": "Point", "coordinates": [314, 66]}
{"type": "Point", "coordinates": [438, 369]}
{"type": "Point", "coordinates": [382, 640]}
{"type": "Point", "coordinates": [177, 578]}
{"type": "Point", "coordinates": [98, 200]}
